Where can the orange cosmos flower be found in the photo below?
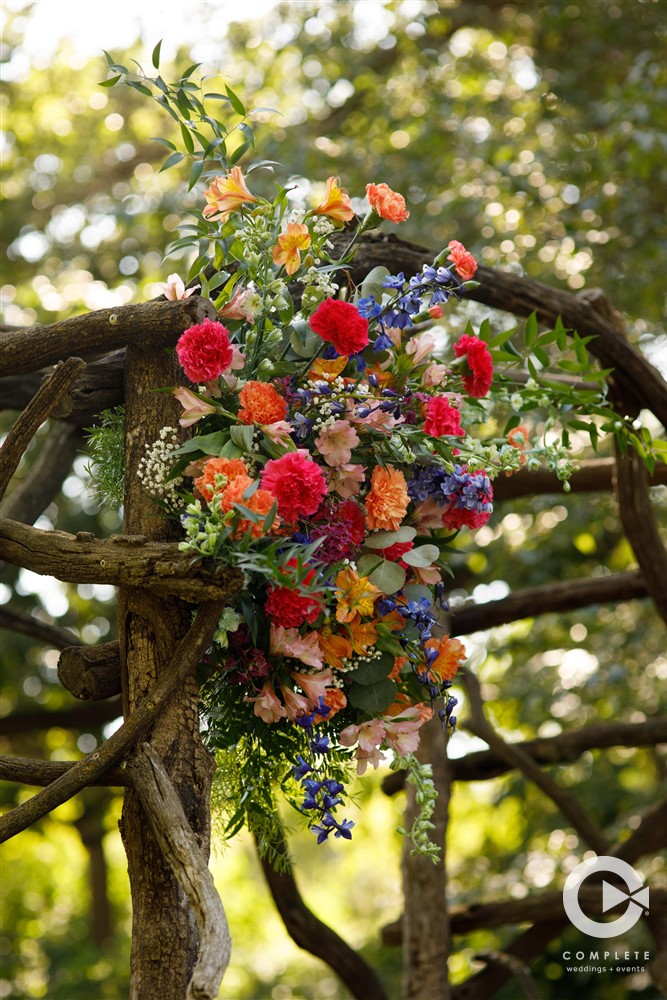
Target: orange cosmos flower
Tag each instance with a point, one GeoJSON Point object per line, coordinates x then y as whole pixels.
{"type": "Point", "coordinates": [226, 195]}
{"type": "Point", "coordinates": [290, 245]}
{"type": "Point", "coordinates": [387, 500]}
{"type": "Point", "coordinates": [356, 596]}
{"type": "Point", "coordinates": [261, 404]}
{"type": "Point", "coordinates": [450, 653]}
{"type": "Point", "coordinates": [336, 204]}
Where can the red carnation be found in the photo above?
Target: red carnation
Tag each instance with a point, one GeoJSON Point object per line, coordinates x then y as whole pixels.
{"type": "Point", "coordinates": [479, 363]}
{"type": "Point", "coordinates": [396, 552]}
{"type": "Point", "coordinates": [442, 418]}
{"type": "Point", "coordinates": [460, 517]}
{"type": "Point", "coordinates": [340, 323]}
{"type": "Point", "coordinates": [204, 351]}
{"type": "Point", "coordinates": [297, 483]}
{"type": "Point", "coordinates": [288, 608]}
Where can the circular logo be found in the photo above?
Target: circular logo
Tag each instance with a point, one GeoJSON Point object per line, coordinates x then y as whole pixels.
{"type": "Point", "coordinates": [636, 897]}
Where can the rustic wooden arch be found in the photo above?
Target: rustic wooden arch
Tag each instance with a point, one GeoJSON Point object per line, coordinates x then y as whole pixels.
{"type": "Point", "coordinates": [157, 754]}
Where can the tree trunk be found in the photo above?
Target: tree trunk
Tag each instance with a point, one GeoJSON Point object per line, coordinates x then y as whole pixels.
{"type": "Point", "coordinates": [164, 933]}
{"type": "Point", "coordinates": [426, 934]}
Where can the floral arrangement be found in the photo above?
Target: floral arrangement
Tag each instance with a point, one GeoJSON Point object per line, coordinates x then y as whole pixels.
{"type": "Point", "coordinates": [332, 459]}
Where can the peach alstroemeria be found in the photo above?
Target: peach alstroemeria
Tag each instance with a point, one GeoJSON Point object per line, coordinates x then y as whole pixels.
{"type": "Point", "coordinates": [288, 642]}
{"type": "Point", "coordinates": [279, 431]}
{"type": "Point", "coordinates": [420, 346]}
{"type": "Point", "coordinates": [194, 408]}
{"type": "Point", "coordinates": [267, 704]}
{"type": "Point", "coordinates": [295, 704]}
{"type": "Point", "coordinates": [174, 289]}
{"type": "Point", "coordinates": [335, 648]}
{"type": "Point", "coordinates": [402, 732]}
{"type": "Point", "coordinates": [366, 757]}
{"type": "Point", "coordinates": [236, 308]}
{"type": "Point", "coordinates": [335, 442]}
{"type": "Point", "coordinates": [346, 480]}
{"type": "Point", "coordinates": [314, 686]}
{"type": "Point", "coordinates": [434, 374]}
{"type": "Point", "coordinates": [336, 204]}
{"type": "Point", "coordinates": [289, 246]}
{"type": "Point", "coordinates": [368, 735]}
{"type": "Point", "coordinates": [226, 195]}
{"type": "Point", "coordinates": [355, 596]}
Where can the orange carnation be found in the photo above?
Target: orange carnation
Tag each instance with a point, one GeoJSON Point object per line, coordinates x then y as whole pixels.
{"type": "Point", "coordinates": [229, 467]}
{"type": "Point", "coordinates": [388, 204]}
{"type": "Point", "coordinates": [387, 500]}
{"type": "Point", "coordinates": [261, 404]}
{"type": "Point", "coordinates": [260, 503]}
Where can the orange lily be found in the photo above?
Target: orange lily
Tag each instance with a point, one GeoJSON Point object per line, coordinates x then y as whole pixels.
{"type": "Point", "coordinates": [290, 245]}
{"type": "Point", "coordinates": [356, 596]}
{"type": "Point", "coordinates": [363, 636]}
{"type": "Point", "coordinates": [335, 648]}
{"type": "Point", "coordinates": [447, 662]}
{"type": "Point", "coordinates": [336, 204]}
{"type": "Point", "coordinates": [226, 195]}
{"type": "Point", "coordinates": [327, 371]}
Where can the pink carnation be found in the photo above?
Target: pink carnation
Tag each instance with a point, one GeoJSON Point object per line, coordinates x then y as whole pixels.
{"type": "Point", "coordinates": [204, 351]}
{"type": "Point", "coordinates": [480, 364]}
{"type": "Point", "coordinates": [442, 418]}
{"type": "Point", "coordinates": [297, 483]}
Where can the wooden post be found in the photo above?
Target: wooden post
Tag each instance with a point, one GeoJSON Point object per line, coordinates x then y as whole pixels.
{"type": "Point", "coordinates": [425, 930]}
{"type": "Point", "coordinates": [164, 949]}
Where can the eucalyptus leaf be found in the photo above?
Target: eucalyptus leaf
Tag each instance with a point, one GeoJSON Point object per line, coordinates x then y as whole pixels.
{"type": "Point", "coordinates": [372, 698]}
{"type": "Point", "coordinates": [385, 539]}
{"type": "Point", "coordinates": [372, 672]}
{"type": "Point", "coordinates": [423, 556]}
{"type": "Point", "coordinates": [388, 577]}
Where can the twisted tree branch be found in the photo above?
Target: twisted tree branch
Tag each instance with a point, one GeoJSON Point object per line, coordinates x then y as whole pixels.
{"type": "Point", "coordinates": [186, 657]}
{"type": "Point", "coordinates": [43, 403]}
{"type": "Point", "coordinates": [177, 841]}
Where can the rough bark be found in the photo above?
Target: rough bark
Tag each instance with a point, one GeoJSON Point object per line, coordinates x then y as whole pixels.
{"type": "Point", "coordinates": [164, 952]}
{"type": "Point", "coordinates": [91, 672]}
{"type": "Point", "coordinates": [182, 852]}
{"type": "Point", "coordinates": [148, 325]}
{"type": "Point", "coordinates": [122, 560]}
{"type": "Point", "coordinates": [425, 926]}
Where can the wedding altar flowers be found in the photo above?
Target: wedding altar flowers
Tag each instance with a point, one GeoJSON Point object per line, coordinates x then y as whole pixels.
{"type": "Point", "coordinates": [313, 467]}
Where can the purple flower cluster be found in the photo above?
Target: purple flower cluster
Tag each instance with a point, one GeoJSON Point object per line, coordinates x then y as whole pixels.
{"type": "Point", "coordinates": [321, 796]}
{"type": "Point", "coordinates": [469, 490]}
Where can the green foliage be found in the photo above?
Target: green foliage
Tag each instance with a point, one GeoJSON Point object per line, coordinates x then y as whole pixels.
{"type": "Point", "coordinates": [106, 468]}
